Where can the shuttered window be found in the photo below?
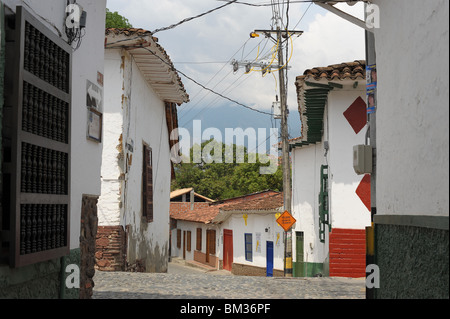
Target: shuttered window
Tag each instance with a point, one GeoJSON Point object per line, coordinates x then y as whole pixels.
{"type": "Point", "coordinates": [147, 184]}
{"type": "Point", "coordinates": [188, 241]}
{"type": "Point", "coordinates": [178, 238]}
{"type": "Point", "coordinates": [199, 239]}
{"type": "Point", "coordinates": [37, 131]}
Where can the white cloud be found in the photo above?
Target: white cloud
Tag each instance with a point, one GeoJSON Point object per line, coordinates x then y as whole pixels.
{"type": "Point", "coordinates": [328, 39]}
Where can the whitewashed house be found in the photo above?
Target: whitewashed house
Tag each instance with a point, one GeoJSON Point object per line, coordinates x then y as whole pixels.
{"type": "Point", "coordinates": [141, 94]}
{"type": "Point", "coordinates": [330, 202]}
{"type": "Point", "coordinates": [412, 149]}
{"type": "Point", "coordinates": [238, 234]}
{"type": "Point", "coordinates": [51, 154]}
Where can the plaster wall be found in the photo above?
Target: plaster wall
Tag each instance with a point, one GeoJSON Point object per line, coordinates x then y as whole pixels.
{"type": "Point", "coordinates": [136, 117]}
{"type": "Point", "coordinates": [257, 223]}
{"type": "Point", "coordinates": [346, 208]}
{"type": "Point", "coordinates": [412, 108]}
{"type": "Point", "coordinates": [306, 162]}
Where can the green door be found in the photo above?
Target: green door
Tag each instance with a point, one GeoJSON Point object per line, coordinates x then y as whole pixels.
{"type": "Point", "coordinates": [299, 264]}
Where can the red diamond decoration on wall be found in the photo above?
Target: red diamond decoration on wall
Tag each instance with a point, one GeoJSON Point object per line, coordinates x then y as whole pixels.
{"type": "Point", "coordinates": [356, 114]}
{"type": "Point", "coordinates": [363, 191]}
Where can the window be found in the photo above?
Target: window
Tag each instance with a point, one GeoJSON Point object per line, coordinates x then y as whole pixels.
{"type": "Point", "coordinates": [188, 240]}
{"type": "Point", "coordinates": [248, 247]}
{"type": "Point", "coordinates": [147, 184]}
{"type": "Point", "coordinates": [37, 154]}
{"type": "Point", "coordinates": [178, 238]}
{"type": "Point", "coordinates": [199, 239]}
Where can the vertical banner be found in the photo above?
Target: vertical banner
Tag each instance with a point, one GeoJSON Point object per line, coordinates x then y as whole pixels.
{"type": "Point", "coordinates": [371, 88]}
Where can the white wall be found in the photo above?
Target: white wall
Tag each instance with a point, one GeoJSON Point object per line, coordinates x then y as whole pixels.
{"type": "Point", "coordinates": [256, 223]}
{"type": "Point", "coordinates": [346, 208]}
{"type": "Point", "coordinates": [192, 227]}
{"type": "Point", "coordinates": [109, 210]}
{"type": "Point", "coordinates": [134, 110]}
{"type": "Point", "coordinates": [306, 162]}
{"type": "Point", "coordinates": [413, 107]}
{"type": "Point", "coordinates": [87, 61]}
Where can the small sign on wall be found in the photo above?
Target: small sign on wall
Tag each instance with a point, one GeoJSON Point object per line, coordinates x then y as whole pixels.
{"type": "Point", "coordinates": [94, 125]}
{"type": "Point", "coordinates": [94, 100]}
{"type": "Point", "coordinates": [94, 96]}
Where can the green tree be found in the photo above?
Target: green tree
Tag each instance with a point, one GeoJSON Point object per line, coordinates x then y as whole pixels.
{"type": "Point", "coordinates": [115, 20]}
{"type": "Point", "coordinates": [222, 179]}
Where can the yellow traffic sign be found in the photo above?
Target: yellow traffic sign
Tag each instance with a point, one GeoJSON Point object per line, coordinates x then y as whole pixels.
{"type": "Point", "coordinates": [286, 221]}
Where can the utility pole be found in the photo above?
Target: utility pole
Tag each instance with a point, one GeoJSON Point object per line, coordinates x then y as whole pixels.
{"type": "Point", "coordinates": [285, 162]}
{"type": "Point", "coordinates": [281, 35]}
{"type": "Point", "coordinates": [285, 159]}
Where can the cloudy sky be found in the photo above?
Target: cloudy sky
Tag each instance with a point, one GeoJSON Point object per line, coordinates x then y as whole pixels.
{"type": "Point", "coordinates": [204, 48]}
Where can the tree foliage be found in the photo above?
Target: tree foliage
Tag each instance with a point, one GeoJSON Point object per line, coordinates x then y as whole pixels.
{"type": "Point", "coordinates": [224, 178]}
{"type": "Point", "coordinates": [115, 20]}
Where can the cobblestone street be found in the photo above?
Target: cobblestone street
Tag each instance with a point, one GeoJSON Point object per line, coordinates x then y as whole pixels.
{"type": "Point", "coordinates": [185, 282]}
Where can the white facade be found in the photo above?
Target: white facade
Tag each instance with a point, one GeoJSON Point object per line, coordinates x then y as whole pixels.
{"type": "Point", "coordinates": [256, 225]}
{"type": "Point", "coordinates": [134, 115]}
{"type": "Point", "coordinates": [346, 210]}
{"type": "Point", "coordinates": [413, 114]}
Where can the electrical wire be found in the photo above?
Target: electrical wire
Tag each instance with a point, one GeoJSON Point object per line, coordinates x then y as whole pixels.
{"type": "Point", "coordinates": [236, 83]}
{"type": "Point", "coordinates": [176, 24]}
{"type": "Point", "coordinates": [201, 85]}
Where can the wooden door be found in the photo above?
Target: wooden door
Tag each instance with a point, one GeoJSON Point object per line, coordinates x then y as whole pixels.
{"type": "Point", "coordinates": [227, 249]}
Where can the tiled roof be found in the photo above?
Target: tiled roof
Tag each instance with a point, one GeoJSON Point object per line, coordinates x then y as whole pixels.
{"type": "Point", "coordinates": [312, 95]}
{"type": "Point", "coordinates": [129, 32]}
{"type": "Point", "coordinates": [271, 202]}
{"type": "Point", "coordinates": [156, 67]}
{"type": "Point", "coordinates": [207, 214]}
{"type": "Point", "coordinates": [343, 71]}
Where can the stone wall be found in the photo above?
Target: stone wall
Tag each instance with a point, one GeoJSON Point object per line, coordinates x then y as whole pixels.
{"type": "Point", "coordinates": [88, 232]}
{"type": "Point", "coordinates": [413, 262]}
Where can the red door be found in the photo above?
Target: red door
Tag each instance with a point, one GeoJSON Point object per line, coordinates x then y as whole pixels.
{"type": "Point", "coordinates": [227, 249]}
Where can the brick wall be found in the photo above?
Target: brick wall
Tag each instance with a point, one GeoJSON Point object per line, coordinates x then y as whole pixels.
{"type": "Point", "coordinates": [348, 253]}
{"type": "Point", "coordinates": [110, 252]}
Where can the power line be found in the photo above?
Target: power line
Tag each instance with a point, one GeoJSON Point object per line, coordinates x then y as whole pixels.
{"type": "Point", "coordinates": [195, 17]}
{"type": "Point", "coordinates": [228, 88]}
{"type": "Point", "coordinates": [176, 24]}
{"type": "Point", "coordinates": [268, 4]}
{"type": "Point", "coordinates": [204, 87]}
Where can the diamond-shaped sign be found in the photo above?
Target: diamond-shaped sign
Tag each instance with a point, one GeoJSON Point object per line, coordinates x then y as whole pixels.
{"type": "Point", "coordinates": [356, 114]}
{"type": "Point", "coordinates": [286, 220]}
{"type": "Point", "coordinates": [363, 191]}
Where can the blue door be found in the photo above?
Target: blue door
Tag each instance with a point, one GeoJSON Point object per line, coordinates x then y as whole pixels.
{"type": "Point", "coordinates": [269, 254]}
